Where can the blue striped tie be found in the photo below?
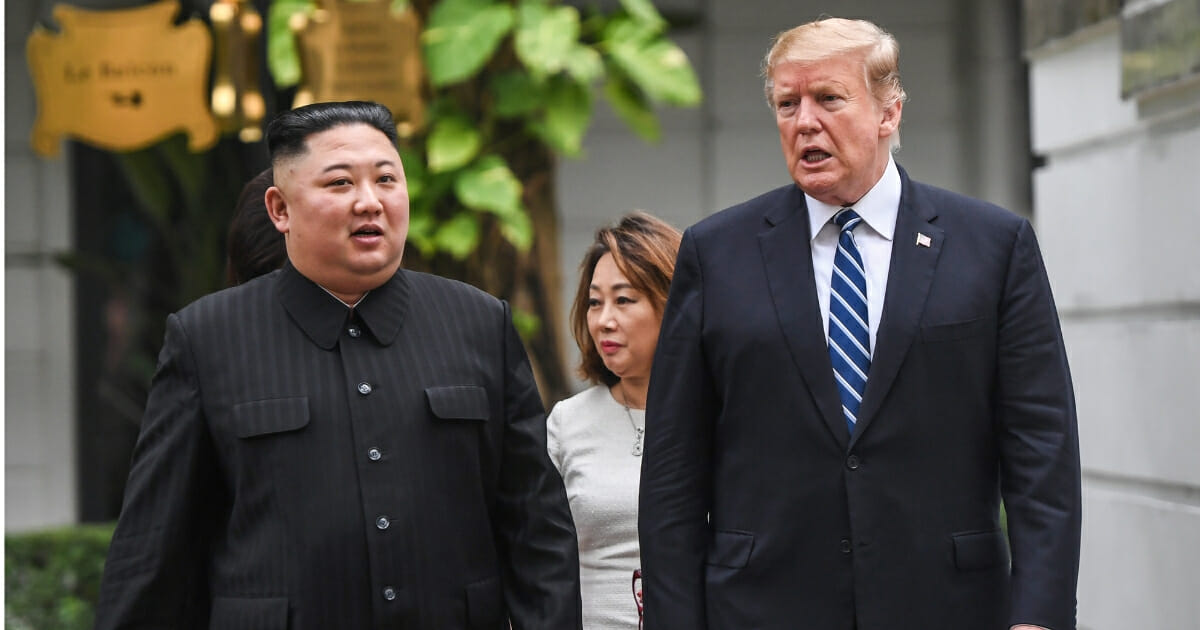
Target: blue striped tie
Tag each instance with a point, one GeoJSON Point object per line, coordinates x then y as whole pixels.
{"type": "Point", "coordinates": [849, 337]}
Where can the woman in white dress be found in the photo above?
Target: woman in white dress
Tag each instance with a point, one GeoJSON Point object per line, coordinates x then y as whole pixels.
{"type": "Point", "coordinates": [595, 437]}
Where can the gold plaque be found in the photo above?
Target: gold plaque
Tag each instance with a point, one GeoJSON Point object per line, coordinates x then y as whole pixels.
{"type": "Point", "coordinates": [121, 80]}
{"type": "Point", "coordinates": [363, 51]}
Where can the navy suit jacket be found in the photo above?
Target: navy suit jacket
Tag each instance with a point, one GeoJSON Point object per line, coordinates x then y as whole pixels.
{"type": "Point", "coordinates": [758, 509]}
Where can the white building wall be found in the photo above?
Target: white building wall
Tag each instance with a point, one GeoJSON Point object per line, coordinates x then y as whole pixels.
{"type": "Point", "coordinates": [1117, 216]}
{"type": "Point", "coordinates": [39, 400]}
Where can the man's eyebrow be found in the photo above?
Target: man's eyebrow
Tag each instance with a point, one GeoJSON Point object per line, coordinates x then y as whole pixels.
{"type": "Point", "coordinates": [345, 166]}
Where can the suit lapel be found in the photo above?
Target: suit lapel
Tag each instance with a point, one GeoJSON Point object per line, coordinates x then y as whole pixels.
{"type": "Point", "coordinates": [909, 278]}
{"type": "Point", "coordinates": [786, 249]}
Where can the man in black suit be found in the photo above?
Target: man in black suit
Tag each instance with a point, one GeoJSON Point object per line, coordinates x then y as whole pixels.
{"type": "Point", "coordinates": [852, 372]}
{"type": "Point", "coordinates": [342, 443]}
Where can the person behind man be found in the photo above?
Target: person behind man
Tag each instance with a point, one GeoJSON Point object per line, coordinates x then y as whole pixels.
{"type": "Point", "coordinates": [254, 247]}
{"type": "Point", "coordinates": [595, 437]}
{"type": "Point", "coordinates": [342, 443]}
{"type": "Point", "coordinates": [852, 372]}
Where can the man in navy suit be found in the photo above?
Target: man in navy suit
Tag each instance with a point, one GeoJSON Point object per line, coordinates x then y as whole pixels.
{"type": "Point", "coordinates": [853, 371]}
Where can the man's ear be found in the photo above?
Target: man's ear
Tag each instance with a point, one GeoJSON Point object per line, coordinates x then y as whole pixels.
{"type": "Point", "coordinates": [891, 120]}
{"type": "Point", "coordinates": [277, 209]}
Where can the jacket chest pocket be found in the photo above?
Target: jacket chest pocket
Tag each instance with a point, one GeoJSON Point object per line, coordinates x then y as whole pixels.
{"type": "Point", "coordinates": [271, 435]}
{"type": "Point", "coordinates": [267, 417]}
{"type": "Point", "coordinates": [458, 402]}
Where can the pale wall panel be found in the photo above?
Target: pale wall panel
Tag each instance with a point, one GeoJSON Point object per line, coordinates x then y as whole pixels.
{"type": "Point", "coordinates": [1135, 387]}
{"type": "Point", "coordinates": [1118, 223]}
{"type": "Point", "coordinates": [1141, 562]}
{"type": "Point", "coordinates": [1075, 91]}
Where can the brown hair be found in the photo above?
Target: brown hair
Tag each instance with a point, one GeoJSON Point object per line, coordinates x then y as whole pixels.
{"type": "Point", "coordinates": [644, 249]}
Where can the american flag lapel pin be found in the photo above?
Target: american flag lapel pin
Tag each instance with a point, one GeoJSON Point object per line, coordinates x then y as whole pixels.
{"type": "Point", "coordinates": [923, 241]}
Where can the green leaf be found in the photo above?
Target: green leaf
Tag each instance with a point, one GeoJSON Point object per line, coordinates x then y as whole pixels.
{"type": "Point", "coordinates": [421, 228]}
{"type": "Point", "coordinates": [654, 63]}
{"type": "Point", "coordinates": [283, 58]}
{"type": "Point", "coordinates": [517, 228]}
{"type": "Point", "coordinates": [644, 12]}
{"type": "Point", "coordinates": [461, 36]}
{"type": "Point", "coordinates": [568, 112]}
{"type": "Point", "coordinates": [526, 323]}
{"type": "Point", "coordinates": [422, 221]}
{"type": "Point", "coordinates": [630, 104]}
{"type": "Point", "coordinates": [545, 36]}
{"type": "Point", "coordinates": [414, 171]}
{"type": "Point", "coordinates": [452, 143]}
{"type": "Point", "coordinates": [516, 93]}
{"type": "Point", "coordinates": [584, 63]}
{"type": "Point", "coordinates": [459, 236]}
{"type": "Point", "coordinates": [489, 185]}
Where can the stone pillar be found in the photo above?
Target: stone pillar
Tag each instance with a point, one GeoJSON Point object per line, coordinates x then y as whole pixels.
{"type": "Point", "coordinates": [39, 311]}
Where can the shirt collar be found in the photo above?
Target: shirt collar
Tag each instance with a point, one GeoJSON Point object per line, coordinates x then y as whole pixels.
{"type": "Point", "coordinates": [877, 208]}
{"type": "Point", "coordinates": [322, 316]}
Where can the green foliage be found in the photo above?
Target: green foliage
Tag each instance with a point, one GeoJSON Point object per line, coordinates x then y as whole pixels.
{"type": "Point", "coordinates": [458, 236]}
{"type": "Point", "coordinates": [643, 11]}
{"type": "Point", "coordinates": [503, 73]}
{"type": "Point", "coordinates": [462, 35]}
{"type": "Point", "coordinates": [546, 36]}
{"type": "Point", "coordinates": [630, 104]}
{"type": "Point", "coordinates": [568, 110]}
{"type": "Point", "coordinates": [283, 59]}
{"type": "Point", "coordinates": [656, 65]}
{"type": "Point", "coordinates": [453, 142]}
{"type": "Point", "coordinates": [52, 578]}
{"type": "Point", "coordinates": [527, 324]}
{"type": "Point", "coordinates": [490, 186]}
{"type": "Point", "coordinates": [515, 93]}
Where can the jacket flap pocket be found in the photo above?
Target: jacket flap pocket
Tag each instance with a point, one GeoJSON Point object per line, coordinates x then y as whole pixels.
{"type": "Point", "coordinates": [458, 402]}
{"type": "Point", "coordinates": [485, 608]}
{"type": "Point", "coordinates": [249, 613]}
{"type": "Point", "coordinates": [276, 415]}
{"type": "Point", "coordinates": [980, 550]}
{"type": "Point", "coordinates": [730, 548]}
{"type": "Point", "coordinates": [955, 330]}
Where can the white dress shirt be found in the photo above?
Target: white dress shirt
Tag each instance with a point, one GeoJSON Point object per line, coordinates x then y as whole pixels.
{"type": "Point", "coordinates": [878, 209]}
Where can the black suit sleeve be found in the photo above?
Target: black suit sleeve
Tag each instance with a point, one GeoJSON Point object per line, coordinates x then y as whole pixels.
{"type": "Point", "coordinates": [156, 572]}
{"type": "Point", "coordinates": [677, 470]}
{"type": "Point", "coordinates": [533, 519]}
{"type": "Point", "coordinates": [1040, 476]}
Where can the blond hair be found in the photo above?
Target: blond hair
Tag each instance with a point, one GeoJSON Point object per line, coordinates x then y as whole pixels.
{"type": "Point", "coordinates": [832, 37]}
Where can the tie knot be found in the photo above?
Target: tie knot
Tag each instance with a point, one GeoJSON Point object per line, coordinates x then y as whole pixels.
{"type": "Point", "coordinates": [847, 219]}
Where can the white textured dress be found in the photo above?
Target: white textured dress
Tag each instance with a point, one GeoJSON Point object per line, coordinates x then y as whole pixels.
{"type": "Point", "coordinates": [591, 438]}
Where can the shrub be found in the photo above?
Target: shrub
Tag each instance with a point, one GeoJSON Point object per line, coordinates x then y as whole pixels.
{"type": "Point", "coordinates": [52, 577]}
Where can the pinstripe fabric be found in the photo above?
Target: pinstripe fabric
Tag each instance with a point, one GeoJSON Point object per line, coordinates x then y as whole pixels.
{"type": "Point", "coordinates": [381, 468]}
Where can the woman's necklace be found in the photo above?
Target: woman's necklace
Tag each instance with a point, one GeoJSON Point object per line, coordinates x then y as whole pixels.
{"type": "Point", "coordinates": [638, 432]}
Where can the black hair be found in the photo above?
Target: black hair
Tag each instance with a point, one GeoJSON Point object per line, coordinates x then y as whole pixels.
{"type": "Point", "coordinates": [254, 247]}
{"type": "Point", "coordinates": [287, 133]}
